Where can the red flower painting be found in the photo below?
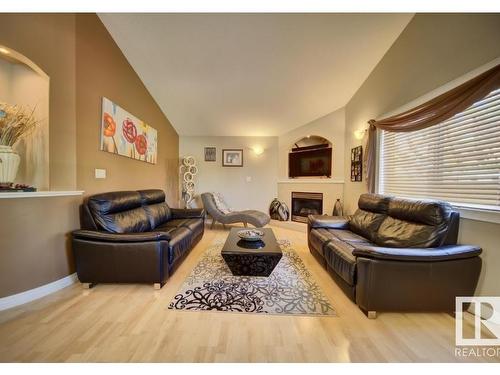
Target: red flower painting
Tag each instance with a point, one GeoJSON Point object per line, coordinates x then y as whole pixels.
{"type": "Point", "coordinates": [124, 134]}
{"type": "Point", "coordinates": [141, 144]}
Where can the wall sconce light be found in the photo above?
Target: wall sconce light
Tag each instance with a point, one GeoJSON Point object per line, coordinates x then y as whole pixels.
{"type": "Point", "coordinates": [258, 150]}
{"type": "Point", "coordinates": [359, 134]}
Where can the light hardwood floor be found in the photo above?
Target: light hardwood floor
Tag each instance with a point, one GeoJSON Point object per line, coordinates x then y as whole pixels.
{"type": "Point", "coordinates": [115, 323]}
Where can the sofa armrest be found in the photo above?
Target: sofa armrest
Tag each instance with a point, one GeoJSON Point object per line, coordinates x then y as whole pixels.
{"type": "Point", "coordinates": [187, 213]}
{"type": "Point", "coordinates": [432, 254]}
{"type": "Point", "coordinates": [331, 222]}
{"type": "Point", "coordinates": [119, 237]}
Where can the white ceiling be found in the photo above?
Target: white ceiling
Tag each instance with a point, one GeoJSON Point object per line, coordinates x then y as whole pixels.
{"type": "Point", "coordinates": [252, 74]}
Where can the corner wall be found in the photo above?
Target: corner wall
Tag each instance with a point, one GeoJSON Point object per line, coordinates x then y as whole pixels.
{"type": "Point", "coordinates": [232, 182]}
{"type": "Point", "coordinates": [331, 127]}
{"type": "Point", "coordinates": [83, 64]}
{"type": "Point", "coordinates": [433, 50]}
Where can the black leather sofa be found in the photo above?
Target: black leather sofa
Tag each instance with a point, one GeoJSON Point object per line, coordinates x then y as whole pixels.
{"type": "Point", "coordinates": [396, 254]}
{"type": "Point", "coordinates": [133, 237]}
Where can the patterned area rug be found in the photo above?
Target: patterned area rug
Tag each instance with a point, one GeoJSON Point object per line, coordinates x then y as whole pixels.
{"type": "Point", "coordinates": [289, 290]}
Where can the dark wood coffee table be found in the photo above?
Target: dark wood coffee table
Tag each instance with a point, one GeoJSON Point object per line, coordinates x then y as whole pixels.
{"type": "Point", "coordinates": [246, 258]}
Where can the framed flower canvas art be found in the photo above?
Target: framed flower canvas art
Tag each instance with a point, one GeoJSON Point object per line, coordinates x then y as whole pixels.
{"type": "Point", "coordinates": [124, 134]}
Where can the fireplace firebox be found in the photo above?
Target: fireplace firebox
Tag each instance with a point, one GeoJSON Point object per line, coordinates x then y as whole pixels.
{"type": "Point", "coordinates": [304, 204]}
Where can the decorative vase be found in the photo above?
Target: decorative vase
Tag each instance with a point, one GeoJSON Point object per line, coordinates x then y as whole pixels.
{"type": "Point", "coordinates": [338, 209]}
{"type": "Point", "coordinates": [279, 210]}
{"type": "Point", "coordinates": [9, 163]}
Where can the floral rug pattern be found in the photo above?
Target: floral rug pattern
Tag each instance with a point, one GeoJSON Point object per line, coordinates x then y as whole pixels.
{"type": "Point", "coordinates": [290, 289]}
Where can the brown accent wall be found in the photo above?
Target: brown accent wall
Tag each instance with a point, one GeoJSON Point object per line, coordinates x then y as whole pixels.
{"type": "Point", "coordinates": [34, 241]}
{"type": "Point", "coordinates": [102, 70]}
{"type": "Point", "coordinates": [84, 64]}
{"type": "Point", "coordinates": [432, 50]}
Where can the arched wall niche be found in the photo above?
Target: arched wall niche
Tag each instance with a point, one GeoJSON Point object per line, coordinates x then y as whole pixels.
{"type": "Point", "coordinates": [310, 157]}
{"type": "Point", "coordinates": [23, 83]}
{"type": "Point", "coordinates": [311, 140]}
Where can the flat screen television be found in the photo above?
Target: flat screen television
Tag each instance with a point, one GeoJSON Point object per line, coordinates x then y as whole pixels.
{"type": "Point", "coordinates": [310, 163]}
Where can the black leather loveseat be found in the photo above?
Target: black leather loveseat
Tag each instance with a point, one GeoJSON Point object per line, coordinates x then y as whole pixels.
{"type": "Point", "coordinates": [396, 254]}
{"type": "Point", "coordinates": [133, 237]}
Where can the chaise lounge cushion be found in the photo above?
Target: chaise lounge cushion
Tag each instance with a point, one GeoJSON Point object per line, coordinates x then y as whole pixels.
{"type": "Point", "coordinates": [254, 217]}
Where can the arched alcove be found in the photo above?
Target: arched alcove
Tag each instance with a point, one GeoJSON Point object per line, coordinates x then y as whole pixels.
{"type": "Point", "coordinates": [310, 156]}
{"type": "Point", "coordinates": [24, 84]}
{"type": "Point", "coordinates": [311, 140]}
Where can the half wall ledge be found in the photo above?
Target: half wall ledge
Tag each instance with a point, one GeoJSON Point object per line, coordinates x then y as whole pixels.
{"type": "Point", "coordinates": [41, 194]}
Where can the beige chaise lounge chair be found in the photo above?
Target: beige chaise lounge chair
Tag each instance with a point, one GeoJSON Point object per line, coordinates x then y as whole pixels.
{"type": "Point", "coordinates": [256, 218]}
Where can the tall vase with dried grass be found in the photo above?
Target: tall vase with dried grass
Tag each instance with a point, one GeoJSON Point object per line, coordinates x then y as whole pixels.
{"type": "Point", "coordinates": [16, 122]}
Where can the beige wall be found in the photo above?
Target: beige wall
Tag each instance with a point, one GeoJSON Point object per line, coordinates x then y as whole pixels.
{"type": "Point", "coordinates": [331, 127]}
{"type": "Point", "coordinates": [34, 231]}
{"type": "Point", "coordinates": [232, 182]}
{"type": "Point", "coordinates": [433, 50]}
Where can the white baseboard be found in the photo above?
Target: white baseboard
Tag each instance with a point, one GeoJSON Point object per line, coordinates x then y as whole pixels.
{"type": "Point", "coordinates": [33, 294]}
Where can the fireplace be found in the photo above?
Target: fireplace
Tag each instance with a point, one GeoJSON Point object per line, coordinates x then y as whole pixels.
{"type": "Point", "coordinates": [304, 204]}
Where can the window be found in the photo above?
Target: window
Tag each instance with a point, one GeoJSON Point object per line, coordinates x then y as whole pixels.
{"type": "Point", "coordinates": [457, 160]}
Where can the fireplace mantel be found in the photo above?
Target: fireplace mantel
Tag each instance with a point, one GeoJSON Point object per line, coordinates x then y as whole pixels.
{"type": "Point", "coordinates": [310, 181]}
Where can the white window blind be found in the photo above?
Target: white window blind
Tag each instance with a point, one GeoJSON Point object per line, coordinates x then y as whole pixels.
{"type": "Point", "coordinates": [457, 160]}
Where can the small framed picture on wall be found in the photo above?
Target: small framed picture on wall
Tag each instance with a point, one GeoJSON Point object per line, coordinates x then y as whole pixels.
{"type": "Point", "coordinates": [210, 153]}
{"type": "Point", "coordinates": [232, 158]}
{"type": "Point", "coordinates": [357, 164]}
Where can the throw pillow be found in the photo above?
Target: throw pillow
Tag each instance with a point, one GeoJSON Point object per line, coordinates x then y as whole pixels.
{"type": "Point", "coordinates": [220, 203]}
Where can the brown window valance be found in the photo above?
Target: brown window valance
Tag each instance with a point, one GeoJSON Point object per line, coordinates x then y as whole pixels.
{"type": "Point", "coordinates": [431, 113]}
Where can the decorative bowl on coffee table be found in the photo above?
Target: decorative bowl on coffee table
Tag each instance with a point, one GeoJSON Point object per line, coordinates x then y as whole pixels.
{"type": "Point", "coordinates": [251, 234]}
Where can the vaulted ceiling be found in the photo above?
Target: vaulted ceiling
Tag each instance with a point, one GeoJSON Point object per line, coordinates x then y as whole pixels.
{"type": "Point", "coordinates": [252, 74]}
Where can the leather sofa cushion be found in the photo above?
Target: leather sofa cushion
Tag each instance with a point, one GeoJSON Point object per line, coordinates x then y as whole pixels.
{"type": "Point", "coordinates": [348, 236]}
{"type": "Point", "coordinates": [152, 196]}
{"type": "Point", "coordinates": [338, 255]}
{"type": "Point", "coordinates": [158, 214]}
{"type": "Point", "coordinates": [400, 233]}
{"type": "Point", "coordinates": [179, 244]}
{"type": "Point", "coordinates": [109, 203]}
{"type": "Point", "coordinates": [374, 203]}
{"type": "Point", "coordinates": [366, 224]}
{"type": "Point", "coordinates": [318, 238]}
{"type": "Point", "coordinates": [174, 223]}
{"type": "Point", "coordinates": [420, 211]}
{"type": "Point", "coordinates": [119, 212]}
{"type": "Point", "coordinates": [196, 226]}
{"type": "Point", "coordinates": [131, 221]}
